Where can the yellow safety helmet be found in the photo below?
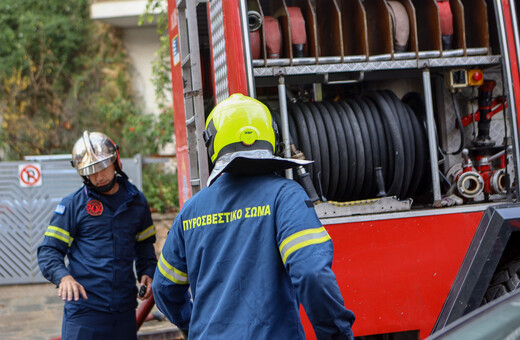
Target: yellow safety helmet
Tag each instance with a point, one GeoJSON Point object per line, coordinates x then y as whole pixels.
{"type": "Point", "coordinates": [240, 137]}
{"type": "Point", "coordinates": [239, 123]}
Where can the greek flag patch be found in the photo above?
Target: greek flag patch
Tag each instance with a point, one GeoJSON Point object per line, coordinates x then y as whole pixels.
{"type": "Point", "coordinates": [60, 209]}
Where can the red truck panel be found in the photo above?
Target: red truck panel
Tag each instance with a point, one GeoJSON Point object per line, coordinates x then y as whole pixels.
{"type": "Point", "coordinates": [179, 115]}
{"type": "Point", "coordinates": [396, 274]}
{"type": "Point", "coordinates": [236, 65]}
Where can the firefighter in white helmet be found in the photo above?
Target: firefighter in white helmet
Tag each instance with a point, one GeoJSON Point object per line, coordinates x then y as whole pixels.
{"type": "Point", "coordinates": [250, 246]}
{"type": "Point", "coordinates": [102, 228]}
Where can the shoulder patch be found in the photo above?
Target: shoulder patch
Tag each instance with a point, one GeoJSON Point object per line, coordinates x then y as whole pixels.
{"type": "Point", "coordinates": [60, 209]}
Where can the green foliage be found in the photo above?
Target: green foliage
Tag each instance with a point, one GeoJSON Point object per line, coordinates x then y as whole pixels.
{"type": "Point", "coordinates": [40, 45]}
{"type": "Point", "coordinates": [42, 33]}
{"type": "Point", "coordinates": [156, 10]}
{"type": "Point", "coordinates": [62, 73]}
{"type": "Point", "coordinates": [160, 188]}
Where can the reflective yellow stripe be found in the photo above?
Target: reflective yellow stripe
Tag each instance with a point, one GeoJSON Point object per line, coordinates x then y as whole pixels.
{"type": "Point", "coordinates": [304, 244]}
{"type": "Point", "coordinates": [60, 234]}
{"type": "Point", "coordinates": [300, 233]}
{"type": "Point", "coordinates": [148, 232]}
{"type": "Point", "coordinates": [171, 273]}
{"type": "Point", "coordinates": [302, 239]}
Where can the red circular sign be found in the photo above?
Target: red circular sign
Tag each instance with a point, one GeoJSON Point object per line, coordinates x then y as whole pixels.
{"type": "Point", "coordinates": [30, 175]}
{"type": "Point", "coordinates": [94, 208]}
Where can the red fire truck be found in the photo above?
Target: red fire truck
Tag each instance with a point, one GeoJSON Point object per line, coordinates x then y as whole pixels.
{"type": "Point", "coordinates": [408, 109]}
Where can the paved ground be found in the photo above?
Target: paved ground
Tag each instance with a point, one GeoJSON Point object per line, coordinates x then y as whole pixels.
{"type": "Point", "coordinates": [34, 312]}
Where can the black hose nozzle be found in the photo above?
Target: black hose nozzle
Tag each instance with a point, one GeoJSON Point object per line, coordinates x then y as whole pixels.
{"type": "Point", "coordinates": [306, 183]}
{"type": "Point", "coordinates": [380, 182]}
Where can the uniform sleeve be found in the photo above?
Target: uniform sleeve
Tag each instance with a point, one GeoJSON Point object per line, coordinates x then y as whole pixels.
{"type": "Point", "coordinates": [170, 282]}
{"type": "Point", "coordinates": [306, 250]}
{"type": "Point", "coordinates": [145, 258]}
{"type": "Point", "coordinates": [56, 242]}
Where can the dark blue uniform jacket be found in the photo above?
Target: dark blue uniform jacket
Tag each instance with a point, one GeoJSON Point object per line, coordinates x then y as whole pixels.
{"type": "Point", "coordinates": [251, 249]}
{"type": "Point", "coordinates": [101, 245]}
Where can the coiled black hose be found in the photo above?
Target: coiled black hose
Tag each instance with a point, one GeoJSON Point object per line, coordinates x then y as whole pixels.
{"type": "Point", "coordinates": [374, 144]}
{"type": "Point", "coordinates": [408, 138]}
{"type": "Point", "coordinates": [420, 152]}
{"type": "Point", "coordinates": [350, 139]}
{"type": "Point", "coordinates": [360, 151]}
{"type": "Point", "coordinates": [414, 101]}
{"type": "Point", "coordinates": [312, 133]}
{"type": "Point", "coordinates": [381, 136]}
{"type": "Point", "coordinates": [391, 123]}
{"type": "Point", "coordinates": [323, 147]}
{"type": "Point", "coordinates": [343, 166]}
{"type": "Point", "coordinates": [301, 133]}
{"type": "Point", "coordinates": [352, 151]}
{"type": "Point", "coordinates": [333, 144]}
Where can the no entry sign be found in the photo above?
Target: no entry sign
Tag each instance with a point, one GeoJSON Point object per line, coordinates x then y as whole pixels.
{"type": "Point", "coordinates": [30, 175]}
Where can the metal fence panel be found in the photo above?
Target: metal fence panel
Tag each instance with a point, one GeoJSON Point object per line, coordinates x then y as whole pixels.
{"type": "Point", "coordinates": [25, 212]}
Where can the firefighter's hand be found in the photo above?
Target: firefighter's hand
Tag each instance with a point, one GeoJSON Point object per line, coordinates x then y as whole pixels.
{"type": "Point", "coordinates": [71, 289]}
{"type": "Point", "coordinates": [147, 281]}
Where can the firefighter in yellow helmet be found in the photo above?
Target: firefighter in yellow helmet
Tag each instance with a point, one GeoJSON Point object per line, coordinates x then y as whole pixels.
{"type": "Point", "coordinates": [103, 228]}
{"type": "Point", "coordinates": [249, 245]}
{"type": "Point", "coordinates": [240, 138]}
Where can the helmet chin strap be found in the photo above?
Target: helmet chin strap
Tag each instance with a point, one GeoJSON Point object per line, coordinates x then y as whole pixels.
{"type": "Point", "coordinates": [101, 189]}
{"type": "Point", "coordinates": [120, 171]}
{"type": "Point", "coordinates": [106, 187]}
